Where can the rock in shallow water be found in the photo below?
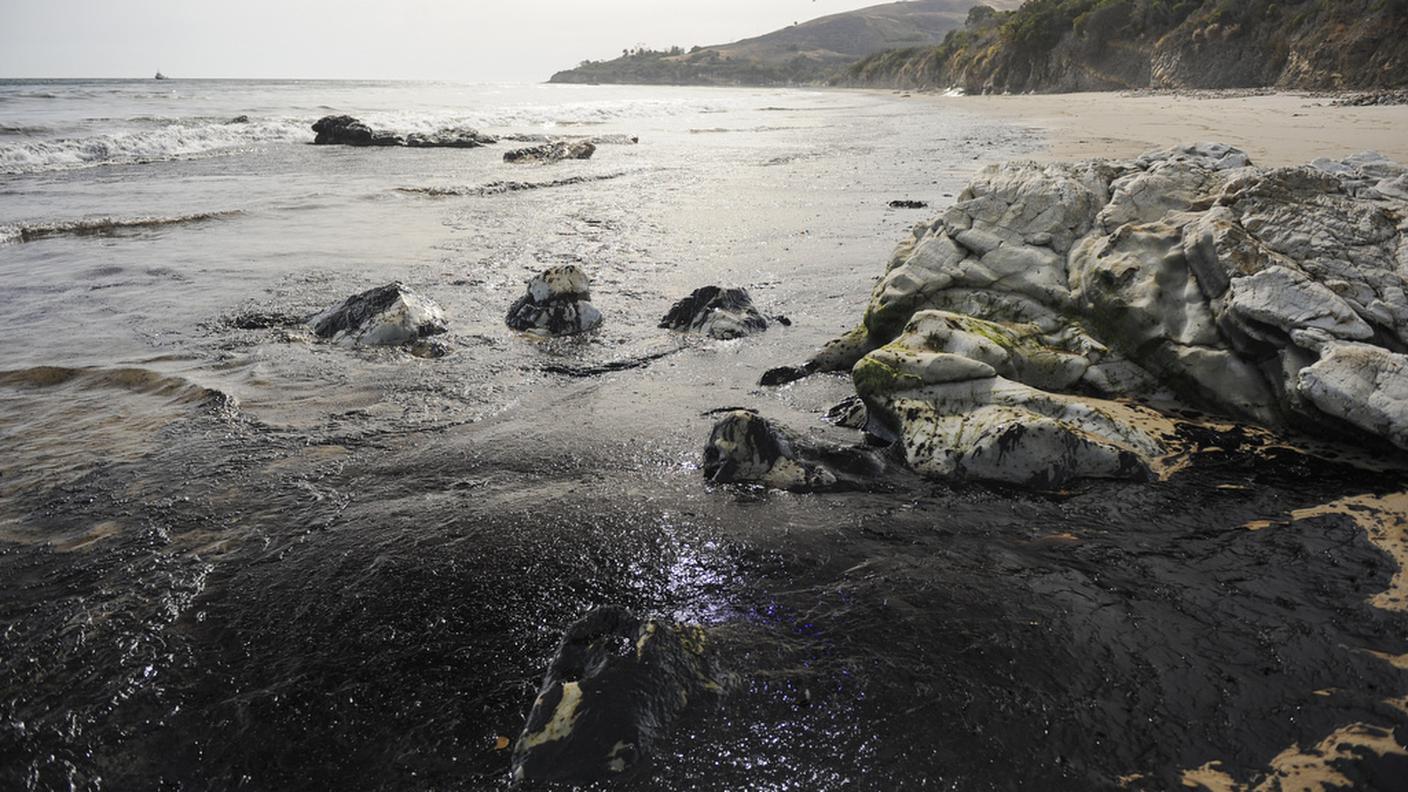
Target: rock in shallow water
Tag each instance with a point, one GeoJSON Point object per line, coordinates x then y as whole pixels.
{"type": "Point", "coordinates": [615, 688]}
{"type": "Point", "coordinates": [388, 315]}
{"type": "Point", "coordinates": [717, 313]}
{"type": "Point", "coordinates": [462, 137]}
{"type": "Point", "coordinates": [553, 152]}
{"type": "Point", "coordinates": [558, 303]}
{"type": "Point", "coordinates": [746, 448]}
{"type": "Point", "coordinates": [344, 130]}
{"type": "Point", "coordinates": [1276, 296]}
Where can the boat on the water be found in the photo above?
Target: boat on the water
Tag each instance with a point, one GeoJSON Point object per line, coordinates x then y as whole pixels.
{"type": "Point", "coordinates": [160, 76]}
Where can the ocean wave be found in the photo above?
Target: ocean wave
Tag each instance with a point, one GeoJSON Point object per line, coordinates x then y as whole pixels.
{"type": "Point", "coordinates": [500, 187]}
{"type": "Point", "coordinates": [596, 140]}
{"type": "Point", "coordinates": [171, 142]}
{"type": "Point", "coordinates": [101, 226]}
{"type": "Point", "coordinates": [21, 129]}
{"type": "Point", "coordinates": [540, 116]}
{"type": "Point", "coordinates": [177, 390]}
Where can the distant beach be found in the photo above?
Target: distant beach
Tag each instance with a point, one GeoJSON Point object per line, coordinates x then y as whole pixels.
{"type": "Point", "coordinates": [1275, 128]}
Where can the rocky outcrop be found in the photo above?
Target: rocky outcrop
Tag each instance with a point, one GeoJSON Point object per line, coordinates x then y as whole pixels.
{"type": "Point", "coordinates": [1002, 333]}
{"type": "Point", "coordinates": [344, 130]}
{"type": "Point", "coordinates": [558, 303]}
{"type": "Point", "coordinates": [615, 688]}
{"type": "Point", "coordinates": [950, 392]}
{"type": "Point", "coordinates": [745, 448]}
{"type": "Point", "coordinates": [390, 315]}
{"type": "Point", "coordinates": [716, 312]}
{"type": "Point", "coordinates": [552, 152]}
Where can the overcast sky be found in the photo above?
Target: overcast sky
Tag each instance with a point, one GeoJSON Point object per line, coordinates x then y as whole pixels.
{"type": "Point", "coordinates": [479, 40]}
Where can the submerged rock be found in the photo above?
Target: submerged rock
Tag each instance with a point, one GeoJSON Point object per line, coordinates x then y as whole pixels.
{"type": "Point", "coordinates": [716, 312]}
{"type": "Point", "coordinates": [388, 315]}
{"type": "Point", "coordinates": [450, 138]}
{"type": "Point", "coordinates": [746, 448]}
{"type": "Point", "coordinates": [344, 130]}
{"type": "Point", "coordinates": [553, 152]}
{"type": "Point", "coordinates": [1187, 275]}
{"type": "Point", "coordinates": [558, 303]}
{"type": "Point", "coordinates": [615, 688]}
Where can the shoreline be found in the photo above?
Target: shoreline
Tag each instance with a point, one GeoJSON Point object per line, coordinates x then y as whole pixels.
{"type": "Point", "coordinates": [1277, 129]}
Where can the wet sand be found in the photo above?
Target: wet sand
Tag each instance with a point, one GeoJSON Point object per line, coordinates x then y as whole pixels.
{"type": "Point", "coordinates": [1276, 129]}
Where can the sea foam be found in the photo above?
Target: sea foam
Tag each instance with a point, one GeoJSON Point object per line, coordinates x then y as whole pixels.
{"type": "Point", "coordinates": [170, 142]}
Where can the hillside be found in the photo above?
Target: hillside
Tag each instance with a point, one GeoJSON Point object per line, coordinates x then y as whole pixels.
{"type": "Point", "coordinates": [1092, 45]}
{"type": "Point", "coordinates": [810, 52]}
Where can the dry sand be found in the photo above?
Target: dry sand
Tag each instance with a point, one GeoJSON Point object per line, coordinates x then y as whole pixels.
{"type": "Point", "coordinates": [1275, 129]}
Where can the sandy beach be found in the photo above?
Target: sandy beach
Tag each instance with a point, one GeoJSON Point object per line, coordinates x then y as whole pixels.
{"type": "Point", "coordinates": [1276, 129]}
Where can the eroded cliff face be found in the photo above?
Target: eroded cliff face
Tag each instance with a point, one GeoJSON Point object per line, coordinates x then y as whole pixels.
{"type": "Point", "coordinates": [1347, 45]}
{"type": "Point", "coordinates": [1054, 46]}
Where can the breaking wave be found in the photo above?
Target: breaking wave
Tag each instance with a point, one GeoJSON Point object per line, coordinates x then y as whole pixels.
{"type": "Point", "coordinates": [100, 226]}
{"type": "Point", "coordinates": [170, 142]}
{"type": "Point", "coordinates": [176, 390]}
{"type": "Point", "coordinates": [540, 116]}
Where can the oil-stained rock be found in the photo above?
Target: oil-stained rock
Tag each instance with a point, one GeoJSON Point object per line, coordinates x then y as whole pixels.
{"type": "Point", "coordinates": [746, 448]}
{"type": "Point", "coordinates": [389, 315]}
{"type": "Point", "coordinates": [716, 312]}
{"type": "Point", "coordinates": [615, 688]}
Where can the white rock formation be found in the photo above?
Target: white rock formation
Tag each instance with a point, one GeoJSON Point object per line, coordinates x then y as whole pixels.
{"type": "Point", "coordinates": [1277, 296]}
{"type": "Point", "coordinates": [948, 389]}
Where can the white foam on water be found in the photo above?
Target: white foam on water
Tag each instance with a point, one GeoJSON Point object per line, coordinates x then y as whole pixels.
{"type": "Point", "coordinates": [169, 142]}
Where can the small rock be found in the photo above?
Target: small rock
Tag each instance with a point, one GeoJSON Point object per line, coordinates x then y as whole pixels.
{"type": "Point", "coordinates": [784, 375]}
{"type": "Point", "coordinates": [716, 312]}
{"type": "Point", "coordinates": [907, 204]}
{"type": "Point", "coordinates": [385, 316]}
{"type": "Point", "coordinates": [850, 413]}
{"type": "Point", "coordinates": [558, 303]}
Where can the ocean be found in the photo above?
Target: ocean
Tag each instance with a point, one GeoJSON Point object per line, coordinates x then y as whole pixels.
{"type": "Point", "coordinates": [234, 557]}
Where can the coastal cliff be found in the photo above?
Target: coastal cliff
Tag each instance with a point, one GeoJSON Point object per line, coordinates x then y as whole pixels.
{"type": "Point", "coordinates": [1050, 46]}
{"type": "Point", "coordinates": [816, 51]}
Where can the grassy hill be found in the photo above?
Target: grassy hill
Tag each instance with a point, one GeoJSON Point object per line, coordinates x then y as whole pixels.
{"type": "Point", "coordinates": [1079, 45]}
{"type": "Point", "coordinates": [809, 52]}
